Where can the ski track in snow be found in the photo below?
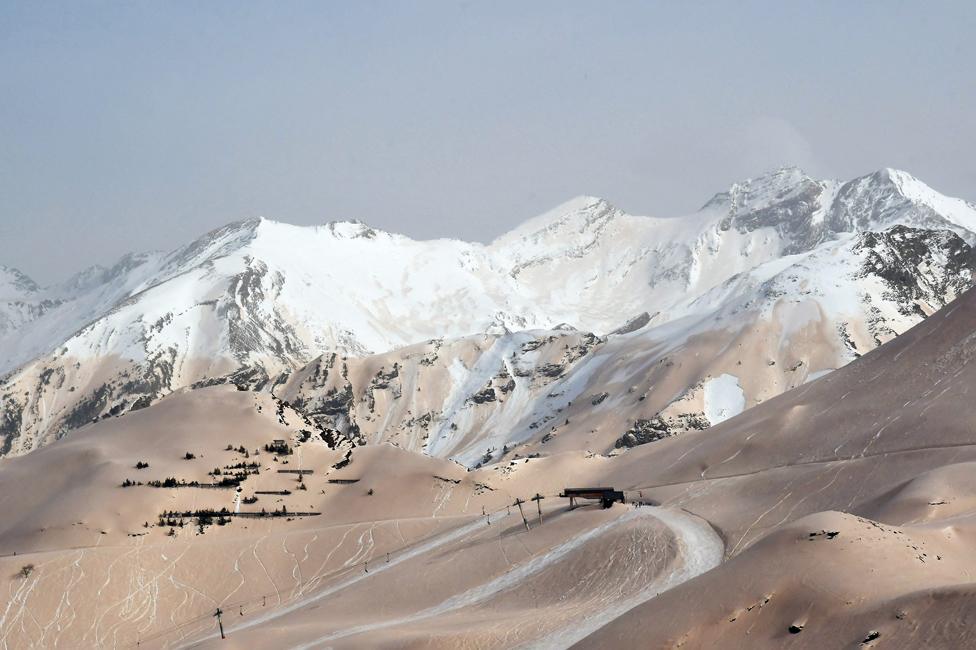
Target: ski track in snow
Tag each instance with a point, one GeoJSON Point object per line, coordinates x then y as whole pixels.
{"type": "Point", "coordinates": [701, 550]}
{"type": "Point", "coordinates": [254, 552]}
{"type": "Point", "coordinates": [420, 549]}
{"type": "Point", "coordinates": [445, 491]}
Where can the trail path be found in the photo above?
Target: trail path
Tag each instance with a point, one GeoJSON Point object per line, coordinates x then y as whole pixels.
{"type": "Point", "coordinates": [701, 549]}
{"type": "Point", "coordinates": [303, 601]}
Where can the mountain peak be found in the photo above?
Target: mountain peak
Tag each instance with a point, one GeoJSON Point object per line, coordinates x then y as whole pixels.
{"type": "Point", "coordinates": [14, 283]}
{"type": "Point", "coordinates": [897, 176]}
{"type": "Point", "coordinates": [917, 190]}
{"type": "Point", "coordinates": [97, 274]}
{"type": "Point", "coordinates": [762, 191]}
{"type": "Point", "coordinates": [352, 229]}
{"type": "Point", "coordinates": [774, 187]}
{"type": "Point", "coordinates": [339, 228]}
{"type": "Point", "coordinates": [805, 209]}
{"type": "Point", "coordinates": [787, 173]}
{"type": "Point", "coordinates": [580, 202]}
{"type": "Point", "coordinates": [570, 218]}
{"type": "Point", "coordinates": [888, 195]}
{"type": "Point", "coordinates": [216, 243]}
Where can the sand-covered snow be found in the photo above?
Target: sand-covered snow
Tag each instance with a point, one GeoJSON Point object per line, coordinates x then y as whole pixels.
{"type": "Point", "coordinates": [819, 510]}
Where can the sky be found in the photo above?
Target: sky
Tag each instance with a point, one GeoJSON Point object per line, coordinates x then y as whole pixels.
{"type": "Point", "coordinates": [139, 126]}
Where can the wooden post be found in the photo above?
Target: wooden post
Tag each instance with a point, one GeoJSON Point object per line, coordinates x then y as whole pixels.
{"type": "Point", "coordinates": [525, 521]}
{"type": "Point", "coordinates": [220, 623]}
{"type": "Point", "coordinates": [538, 503]}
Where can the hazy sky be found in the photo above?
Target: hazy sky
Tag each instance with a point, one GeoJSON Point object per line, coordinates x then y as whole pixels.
{"type": "Point", "coordinates": [132, 126]}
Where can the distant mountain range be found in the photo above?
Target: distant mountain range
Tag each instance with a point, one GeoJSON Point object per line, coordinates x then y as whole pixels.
{"type": "Point", "coordinates": [584, 328]}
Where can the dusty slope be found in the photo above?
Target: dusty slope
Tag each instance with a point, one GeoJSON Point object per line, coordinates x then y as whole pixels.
{"type": "Point", "coordinates": [495, 588]}
{"type": "Point", "coordinates": [888, 438]}
{"type": "Point", "coordinates": [103, 579]}
{"type": "Point", "coordinates": [405, 545]}
{"type": "Point", "coordinates": [828, 580]}
{"type": "Point", "coordinates": [885, 439]}
{"type": "Point", "coordinates": [900, 411]}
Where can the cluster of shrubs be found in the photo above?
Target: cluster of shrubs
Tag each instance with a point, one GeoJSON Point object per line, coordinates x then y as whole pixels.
{"type": "Point", "coordinates": [205, 517]}
{"type": "Point", "coordinates": [170, 521]}
{"type": "Point", "coordinates": [228, 481]}
{"type": "Point", "coordinates": [280, 448]}
{"type": "Point", "coordinates": [208, 520]}
{"type": "Point", "coordinates": [232, 477]}
{"type": "Point", "coordinates": [240, 450]}
{"type": "Point", "coordinates": [172, 482]}
{"type": "Point", "coordinates": [253, 468]}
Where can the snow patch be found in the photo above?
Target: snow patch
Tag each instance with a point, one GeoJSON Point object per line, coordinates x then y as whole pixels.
{"type": "Point", "coordinates": [723, 398]}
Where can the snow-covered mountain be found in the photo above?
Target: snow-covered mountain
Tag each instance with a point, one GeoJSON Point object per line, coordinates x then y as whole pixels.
{"type": "Point", "coordinates": [692, 318]}
{"type": "Point", "coordinates": [34, 320]}
{"type": "Point", "coordinates": [19, 302]}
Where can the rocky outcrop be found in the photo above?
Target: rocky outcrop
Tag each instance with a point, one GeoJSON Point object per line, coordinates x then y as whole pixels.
{"type": "Point", "coordinates": [923, 270]}
{"type": "Point", "coordinates": [658, 428]}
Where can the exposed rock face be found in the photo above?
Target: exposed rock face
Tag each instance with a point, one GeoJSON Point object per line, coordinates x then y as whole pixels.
{"type": "Point", "coordinates": [658, 428]}
{"type": "Point", "coordinates": [923, 269]}
{"type": "Point", "coordinates": [452, 398]}
{"type": "Point", "coordinates": [787, 201]}
{"type": "Point", "coordinates": [634, 324]}
{"type": "Point", "coordinates": [486, 395]}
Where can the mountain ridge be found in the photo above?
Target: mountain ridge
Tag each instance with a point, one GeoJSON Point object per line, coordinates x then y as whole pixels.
{"type": "Point", "coordinates": [256, 300]}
